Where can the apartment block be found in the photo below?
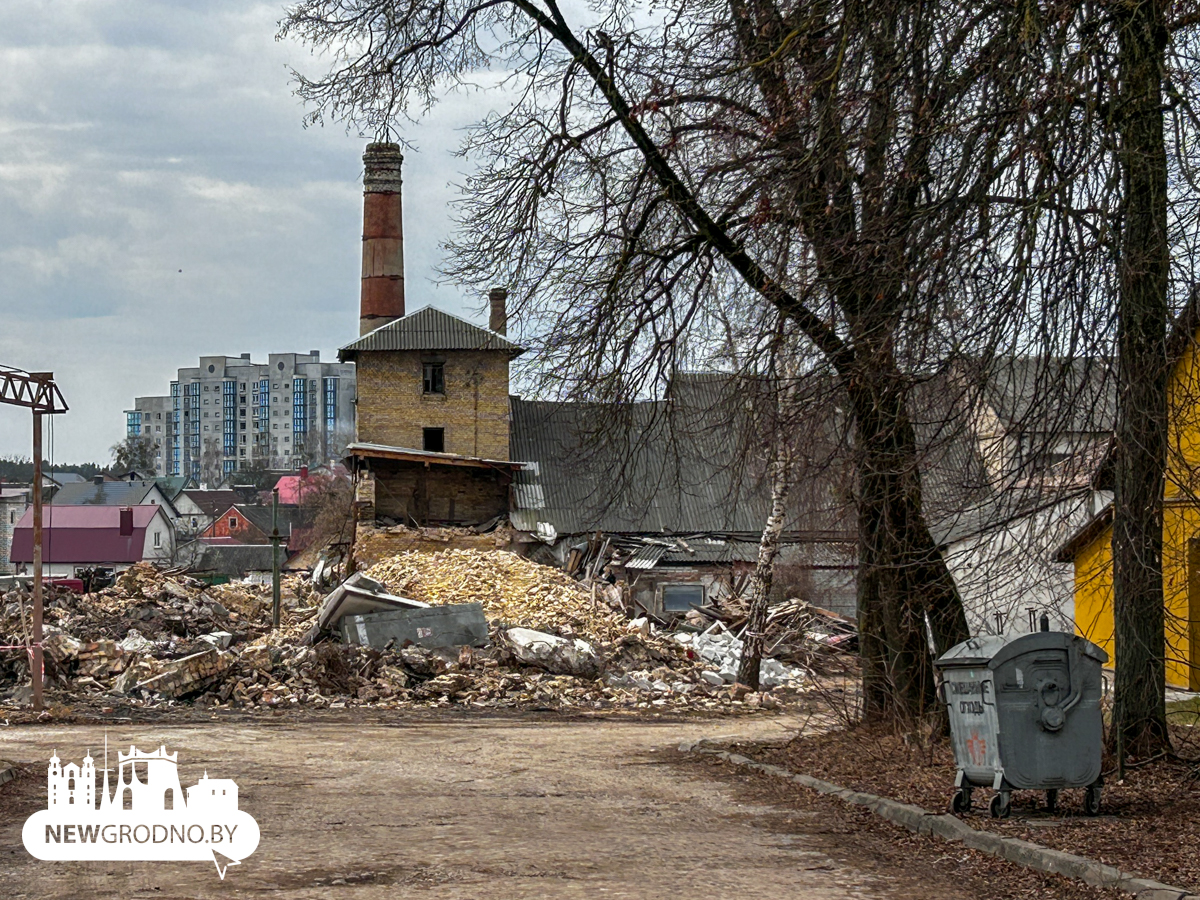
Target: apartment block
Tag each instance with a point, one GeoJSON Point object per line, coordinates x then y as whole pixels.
{"type": "Point", "coordinates": [230, 413]}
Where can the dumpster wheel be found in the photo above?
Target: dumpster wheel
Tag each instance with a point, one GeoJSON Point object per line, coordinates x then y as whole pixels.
{"type": "Point", "coordinates": [1091, 800]}
{"type": "Point", "coordinates": [1001, 805]}
{"type": "Point", "coordinates": [961, 802]}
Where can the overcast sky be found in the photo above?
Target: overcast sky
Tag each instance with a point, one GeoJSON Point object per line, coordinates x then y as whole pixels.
{"type": "Point", "coordinates": [159, 200]}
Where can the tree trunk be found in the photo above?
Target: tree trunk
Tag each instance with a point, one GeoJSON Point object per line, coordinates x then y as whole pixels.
{"type": "Point", "coordinates": [764, 567]}
{"type": "Point", "coordinates": [1139, 713]}
{"type": "Point", "coordinates": [902, 575]}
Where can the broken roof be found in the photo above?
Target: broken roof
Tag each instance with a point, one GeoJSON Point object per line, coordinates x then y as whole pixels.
{"type": "Point", "coordinates": [430, 328]}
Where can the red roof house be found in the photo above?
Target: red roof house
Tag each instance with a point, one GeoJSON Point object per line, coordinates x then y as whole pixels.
{"type": "Point", "coordinates": [76, 536]}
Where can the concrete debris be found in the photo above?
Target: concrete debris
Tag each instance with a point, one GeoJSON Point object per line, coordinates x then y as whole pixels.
{"type": "Point", "coordinates": [454, 625]}
{"type": "Point", "coordinates": [719, 646]}
{"type": "Point", "coordinates": [559, 655]}
{"type": "Point", "coordinates": [358, 595]}
{"type": "Point", "coordinates": [537, 639]}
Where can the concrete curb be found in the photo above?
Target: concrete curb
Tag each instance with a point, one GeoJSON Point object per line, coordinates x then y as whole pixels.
{"type": "Point", "coordinates": [951, 828]}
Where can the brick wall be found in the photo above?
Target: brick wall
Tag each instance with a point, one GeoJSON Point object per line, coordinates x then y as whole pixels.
{"type": "Point", "coordinates": [243, 530]}
{"type": "Point", "coordinates": [392, 409]}
{"type": "Point", "coordinates": [410, 493]}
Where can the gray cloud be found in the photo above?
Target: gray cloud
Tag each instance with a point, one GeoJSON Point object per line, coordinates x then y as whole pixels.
{"type": "Point", "coordinates": [160, 200]}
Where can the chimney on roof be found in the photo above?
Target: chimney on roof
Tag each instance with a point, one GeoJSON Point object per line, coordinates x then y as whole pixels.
{"type": "Point", "coordinates": [126, 521]}
{"type": "Point", "coordinates": [97, 479]}
{"type": "Point", "coordinates": [382, 297]}
{"type": "Point", "coordinates": [498, 299]}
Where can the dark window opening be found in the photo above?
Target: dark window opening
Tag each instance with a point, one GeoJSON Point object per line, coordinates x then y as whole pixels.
{"type": "Point", "coordinates": [682, 597]}
{"type": "Point", "coordinates": [435, 439]}
{"type": "Point", "coordinates": [434, 378]}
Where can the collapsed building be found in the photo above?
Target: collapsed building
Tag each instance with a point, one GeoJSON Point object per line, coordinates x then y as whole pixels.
{"type": "Point", "coordinates": [666, 501]}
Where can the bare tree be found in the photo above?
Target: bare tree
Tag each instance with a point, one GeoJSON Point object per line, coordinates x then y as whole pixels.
{"type": "Point", "coordinates": [903, 183]}
{"type": "Point", "coordinates": [135, 454]}
{"type": "Point", "coordinates": [212, 463]}
{"type": "Point", "coordinates": [1140, 443]}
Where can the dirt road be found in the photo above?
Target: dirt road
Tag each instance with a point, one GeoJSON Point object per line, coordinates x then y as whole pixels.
{"type": "Point", "coordinates": [484, 808]}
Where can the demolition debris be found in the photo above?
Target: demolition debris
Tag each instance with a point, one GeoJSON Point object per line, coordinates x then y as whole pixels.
{"type": "Point", "coordinates": [462, 627]}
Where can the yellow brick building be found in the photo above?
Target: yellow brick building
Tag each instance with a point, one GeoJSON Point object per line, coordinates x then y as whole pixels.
{"type": "Point", "coordinates": [1091, 549]}
{"type": "Point", "coordinates": [433, 418]}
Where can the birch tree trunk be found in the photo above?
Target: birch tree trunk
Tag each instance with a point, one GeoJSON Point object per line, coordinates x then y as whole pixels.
{"type": "Point", "coordinates": [764, 567]}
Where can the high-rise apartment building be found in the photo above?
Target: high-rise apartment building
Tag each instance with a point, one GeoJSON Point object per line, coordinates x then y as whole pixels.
{"type": "Point", "coordinates": [230, 413]}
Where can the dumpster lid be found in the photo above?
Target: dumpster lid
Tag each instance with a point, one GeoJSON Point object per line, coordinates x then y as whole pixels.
{"type": "Point", "coordinates": [1048, 640]}
{"type": "Point", "coordinates": [993, 650]}
{"type": "Point", "coordinates": [976, 651]}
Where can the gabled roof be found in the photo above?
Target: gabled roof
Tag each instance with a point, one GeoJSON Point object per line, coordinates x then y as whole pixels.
{"type": "Point", "coordinates": [213, 503]}
{"type": "Point", "coordinates": [430, 328]}
{"type": "Point", "coordinates": [107, 493]}
{"type": "Point", "coordinates": [260, 517]}
{"type": "Point", "coordinates": [85, 534]}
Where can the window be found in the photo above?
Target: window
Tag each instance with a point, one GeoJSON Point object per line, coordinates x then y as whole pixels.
{"type": "Point", "coordinates": [158, 539]}
{"type": "Point", "coordinates": [435, 439]}
{"type": "Point", "coordinates": [682, 597]}
{"type": "Point", "coordinates": [233, 521]}
{"type": "Point", "coordinates": [434, 378]}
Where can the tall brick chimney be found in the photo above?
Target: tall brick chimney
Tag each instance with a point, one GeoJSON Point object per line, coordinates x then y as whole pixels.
{"type": "Point", "coordinates": [498, 321]}
{"type": "Point", "coordinates": [382, 298]}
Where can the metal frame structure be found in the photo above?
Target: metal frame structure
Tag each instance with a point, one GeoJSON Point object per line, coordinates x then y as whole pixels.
{"type": "Point", "coordinates": [38, 392]}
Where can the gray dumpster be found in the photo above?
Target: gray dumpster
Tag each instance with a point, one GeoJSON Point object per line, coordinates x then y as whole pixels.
{"type": "Point", "coordinates": [1025, 715]}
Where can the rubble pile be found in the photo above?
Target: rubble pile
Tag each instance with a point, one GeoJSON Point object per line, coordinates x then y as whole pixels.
{"type": "Point", "coordinates": [796, 633]}
{"type": "Point", "coordinates": [157, 638]}
{"type": "Point", "coordinates": [719, 645]}
{"type": "Point", "coordinates": [512, 589]}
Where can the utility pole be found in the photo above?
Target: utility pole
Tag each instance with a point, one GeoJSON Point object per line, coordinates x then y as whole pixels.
{"type": "Point", "coordinates": [275, 558]}
{"type": "Point", "coordinates": [38, 392]}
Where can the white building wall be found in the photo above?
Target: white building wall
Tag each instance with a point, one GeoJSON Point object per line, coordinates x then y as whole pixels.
{"type": "Point", "coordinates": [1009, 570]}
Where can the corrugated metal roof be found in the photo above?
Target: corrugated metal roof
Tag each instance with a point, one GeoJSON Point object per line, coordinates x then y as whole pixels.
{"type": "Point", "coordinates": [661, 467]}
{"type": "Point", "coordinates": [430, 329]}
{"type": "Point", "coordinates": [107, 493]}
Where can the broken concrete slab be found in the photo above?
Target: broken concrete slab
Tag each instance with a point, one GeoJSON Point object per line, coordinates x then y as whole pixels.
{"type": "Point", "coordinates": [454, 625]}
{"type": "Point", "coordinates": [557, 655]}
{"type": "Point", "coordinates": [359, 595]}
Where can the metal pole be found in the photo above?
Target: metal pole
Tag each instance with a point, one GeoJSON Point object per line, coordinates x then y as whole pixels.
{"type": "Point", "coordinates": [36, 664]}
{"type": "Point", "coordinates": [275, 558]}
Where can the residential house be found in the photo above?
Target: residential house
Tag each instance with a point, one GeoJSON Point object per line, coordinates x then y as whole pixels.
{"type": "Point", "coordinates": [75, 537]}
{"type": "Point", "coordinates": [99, 492]}
{"type": "Point", "coordinates": [198, 509]}
{"type": "Point", "coordinates": [14, 500]}
{"type": "Point", "coordinates": [1023, 465]}
{"type": "Point", "coordinates": [252, 525]}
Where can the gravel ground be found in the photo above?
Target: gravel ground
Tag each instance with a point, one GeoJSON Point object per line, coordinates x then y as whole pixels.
{"type": "Point", "coordinates": [1149, 823]}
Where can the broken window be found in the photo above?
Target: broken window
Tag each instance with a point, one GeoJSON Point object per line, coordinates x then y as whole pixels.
{"type": "Point", "coordinates": [682, 597]}
{"type": "Point", "coordinates": [434, 439]}
{"type": "Point", "coordinates": [434, 378]}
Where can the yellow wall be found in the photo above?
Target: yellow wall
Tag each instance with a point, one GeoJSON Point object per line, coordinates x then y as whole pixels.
{"type": "Point", "coordinates": [392, 409]}
{"type": "Point", "coordinates": [1181, 525]}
